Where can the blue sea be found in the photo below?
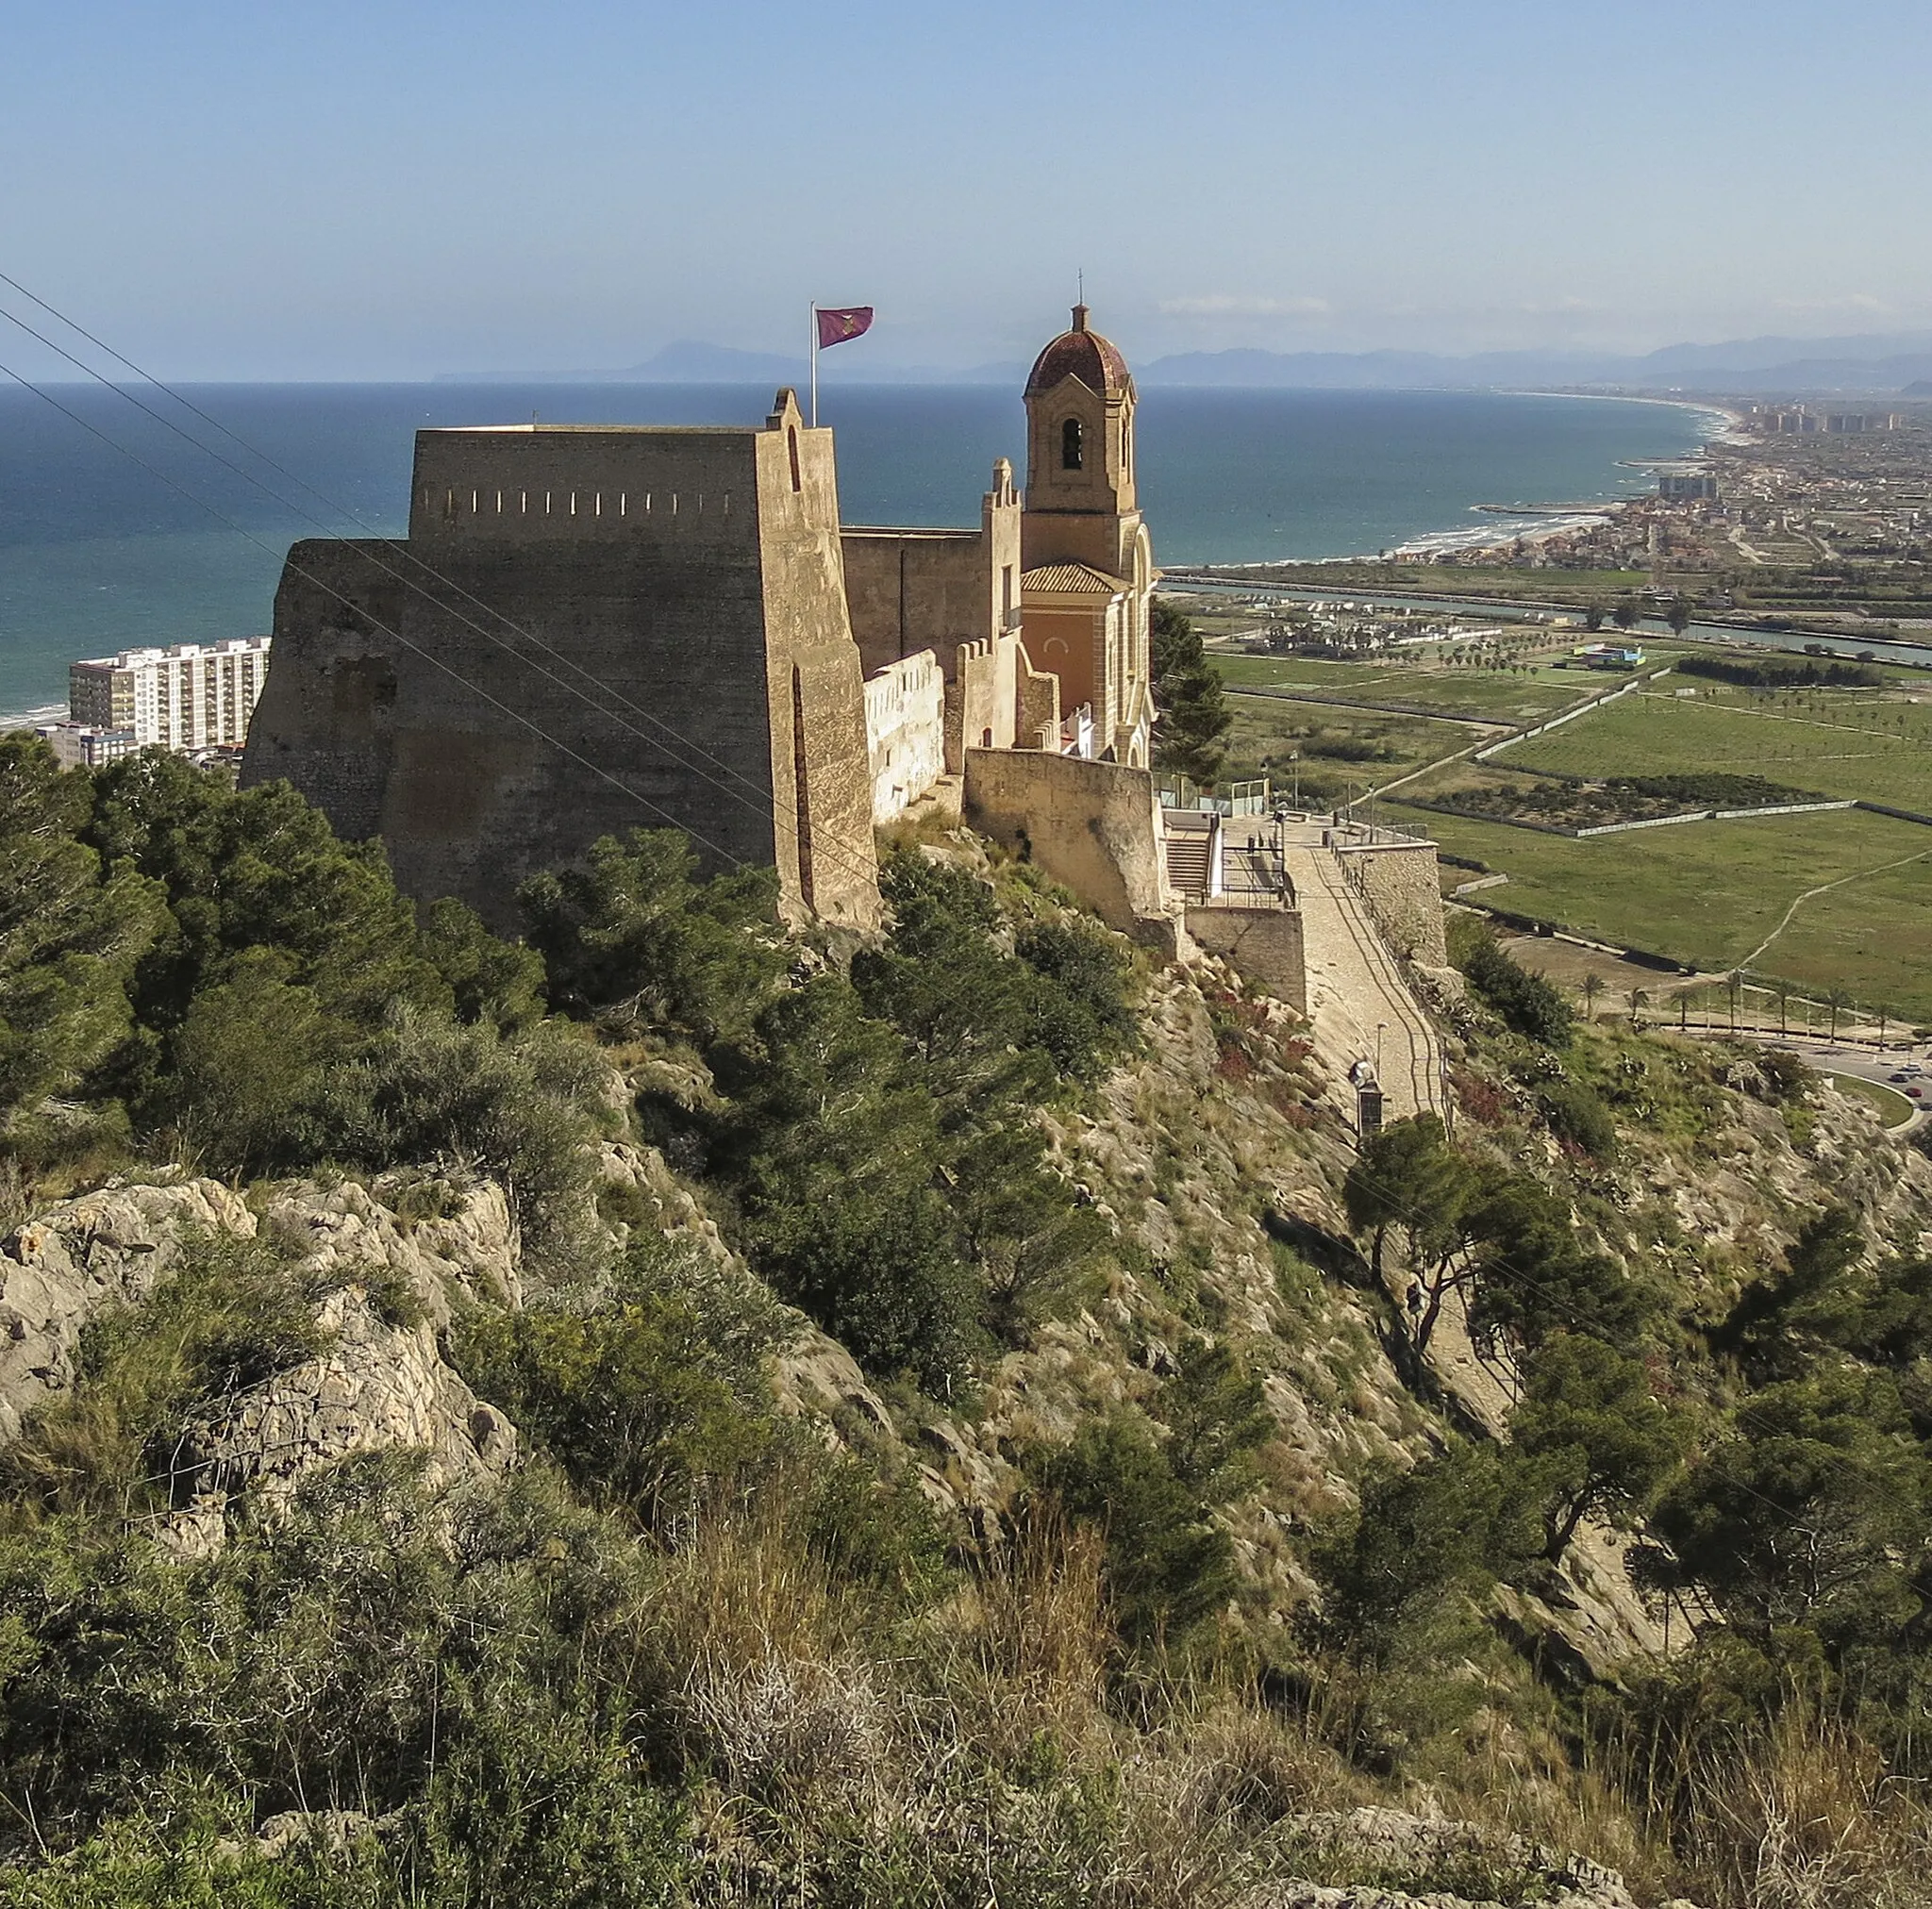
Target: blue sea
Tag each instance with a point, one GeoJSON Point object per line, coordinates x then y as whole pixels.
{"type": "Point", "coordinates": [114, 532]}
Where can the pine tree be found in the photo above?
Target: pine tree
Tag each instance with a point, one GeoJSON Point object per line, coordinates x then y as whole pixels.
{"type": "Point", "coordinates": [1192, 720]}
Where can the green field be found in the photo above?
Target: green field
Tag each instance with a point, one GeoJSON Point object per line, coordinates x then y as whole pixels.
{"type": "Point", "coordinates": [1708, 893]}
{"type": "Point", "coordinates": [1840, 744]}
{"type": "Point", "coordinates": [1344, 752]}
{"type": "Point", "coordinates": [1476, 695]}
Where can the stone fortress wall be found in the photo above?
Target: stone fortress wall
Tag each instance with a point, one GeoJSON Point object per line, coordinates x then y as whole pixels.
{"type": "Point", "coordinates": [1401, 882]}
{"type": "Point", "coordinates": [588, 630]}
{"type": "Point", "coordinates": [1094, 826]}
{"type": "Point", "coordinates": [934, 589]}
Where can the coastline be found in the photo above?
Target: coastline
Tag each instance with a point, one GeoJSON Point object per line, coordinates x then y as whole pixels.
{"type": "Point", "coordinates": [160, 594]}
{"type": "Point", "coordinates": [1530, 528]}
{"type": "Point", "coordinates": [32, 718]}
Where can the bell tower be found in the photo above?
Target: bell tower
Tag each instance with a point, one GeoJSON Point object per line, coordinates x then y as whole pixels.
{"type": "Point", "coordinates": [1088, 562]}
{"type": "Point", "coordinates": [1080, 402]}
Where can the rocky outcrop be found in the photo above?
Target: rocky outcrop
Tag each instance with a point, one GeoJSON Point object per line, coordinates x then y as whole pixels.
{"type": "Point", "coordinates": [378, 1387]}
{"type": "Point", "coordinates": [104, 1249]}
{"type": "Point", "coordinates": [389, 1276]}
{"type": "Point", "coordinates": [442, 1239]}
{"type": "Point", "coordinates": [1430, 1863]}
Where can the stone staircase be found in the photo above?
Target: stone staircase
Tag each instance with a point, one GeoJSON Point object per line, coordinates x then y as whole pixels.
{"type": "Point", "coordinates": [1187, 863]}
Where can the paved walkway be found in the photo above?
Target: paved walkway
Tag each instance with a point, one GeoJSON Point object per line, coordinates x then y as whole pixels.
{"type": "Point", "coordinates": [1357, 996]}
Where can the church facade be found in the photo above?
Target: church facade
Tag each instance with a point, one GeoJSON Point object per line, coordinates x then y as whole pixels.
{"type": "Point", "coordinates": [590, 628]}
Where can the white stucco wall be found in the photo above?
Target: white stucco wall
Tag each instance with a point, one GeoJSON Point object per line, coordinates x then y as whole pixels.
{"type": "Point", "coordinates": [906, 731]}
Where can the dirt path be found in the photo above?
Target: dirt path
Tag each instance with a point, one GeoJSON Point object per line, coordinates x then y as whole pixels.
{"type": "Point", "coordinates": [1824, 888]}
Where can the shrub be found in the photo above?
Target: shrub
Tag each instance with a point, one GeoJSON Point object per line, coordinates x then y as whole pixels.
{"type": "Point", "coordinates": [1167, 1567]}
{"type": "Point", "coordinates": [644, 1397]}
{"type": "Point", "coordinates": [633, 938]}
{"type": "Point", "coordinates": [1528, 1003]}
{"type": "Point", "coordinates": [231, 1314]}
{"type": "Point", "coordinates": [1079, 1010]}
{"type": "Point", "coordinates": [1576, 1114]}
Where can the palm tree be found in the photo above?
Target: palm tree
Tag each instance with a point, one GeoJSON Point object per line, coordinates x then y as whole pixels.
{"type": "Point", "coordinates": [1782, 990]}
{"type": "Point", "coordinates": [1734, 984]}
{"type": "Point", "coordinates": [1639, 1002]}
{"type": "Point", "coordinates": [1838, 999]}
{"type": "Point", "coordinates": [1593, 987]}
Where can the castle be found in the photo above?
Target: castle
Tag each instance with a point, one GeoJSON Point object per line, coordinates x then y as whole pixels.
{"type": "Point", "coordinates": [593, 628]}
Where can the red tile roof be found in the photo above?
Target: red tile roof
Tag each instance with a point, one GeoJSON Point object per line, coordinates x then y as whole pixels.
{"type": "Point", "coordinates": [1081, 354]}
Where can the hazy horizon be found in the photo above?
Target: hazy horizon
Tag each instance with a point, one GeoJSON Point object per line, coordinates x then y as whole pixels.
{"type": "Point", "coordinates": [363, 193]}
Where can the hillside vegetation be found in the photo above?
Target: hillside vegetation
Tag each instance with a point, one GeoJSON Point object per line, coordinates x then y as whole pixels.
{"type": "Point", "coordinates": [663, 1412]}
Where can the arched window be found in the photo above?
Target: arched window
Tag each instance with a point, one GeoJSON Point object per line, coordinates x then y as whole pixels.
{"type": "Point", "coordinates": [1073, 452]}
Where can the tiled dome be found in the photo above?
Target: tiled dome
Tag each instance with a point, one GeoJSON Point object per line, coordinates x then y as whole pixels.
{"type": "Point", "coordinates": [1081, 354]}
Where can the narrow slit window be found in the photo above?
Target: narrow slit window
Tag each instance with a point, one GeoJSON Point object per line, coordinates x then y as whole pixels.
{"type": "Point", "coordinates": [791, 446]}
{"type": "Point", "coordinates": [624, 504]}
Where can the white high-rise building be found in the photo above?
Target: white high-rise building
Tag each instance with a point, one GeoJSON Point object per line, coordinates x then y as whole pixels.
{"type": "Point", "coordinates": [190, 696]}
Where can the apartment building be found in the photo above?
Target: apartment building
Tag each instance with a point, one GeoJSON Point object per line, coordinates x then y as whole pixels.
{"type": "Point", "coordinates": [188, 696]}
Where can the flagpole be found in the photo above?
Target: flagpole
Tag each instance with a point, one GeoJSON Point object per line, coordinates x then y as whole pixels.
{"type": "Point", "coordinates": [814, 366]}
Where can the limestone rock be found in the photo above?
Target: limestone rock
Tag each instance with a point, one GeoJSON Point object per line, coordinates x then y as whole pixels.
{"type": "Point", "coordinates": [376, 1388]}
{"type": "Point", "coordinates": [106, 1248]}
{"type": "Point", "coordinates": [439, 1236]}
{"type": "Point", "coordinates": [1408, 1853]}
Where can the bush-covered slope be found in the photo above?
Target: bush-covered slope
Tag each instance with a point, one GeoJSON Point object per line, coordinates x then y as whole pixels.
{"type": "Point", "coordinates": [668, 1413]}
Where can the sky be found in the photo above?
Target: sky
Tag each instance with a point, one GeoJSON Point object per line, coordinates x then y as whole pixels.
{"type": "Point", "coordinates": [224, 188]}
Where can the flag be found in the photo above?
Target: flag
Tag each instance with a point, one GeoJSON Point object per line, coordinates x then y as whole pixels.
{"type": "Point", "coordinates": [835, 327]}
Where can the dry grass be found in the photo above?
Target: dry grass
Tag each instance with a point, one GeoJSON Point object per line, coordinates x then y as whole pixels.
{"type": "Point", "coordinates": [1023, 1648]}
{"type": "Point", "coordinates": [993, 1732]}
{"type": "Point", "coordinates": [1809, 1820]}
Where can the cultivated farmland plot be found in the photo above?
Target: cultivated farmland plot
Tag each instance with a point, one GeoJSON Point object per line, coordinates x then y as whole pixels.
{"type": "Point", "coordinates": [1718, 894]}
{"type": "Point", "coordinates": [1871, 750]}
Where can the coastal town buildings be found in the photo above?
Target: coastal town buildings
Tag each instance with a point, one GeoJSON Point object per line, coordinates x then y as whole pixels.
{"type": "Point", "coordinates": [187, 697]}
{"type": "Point", "coordinates": [85, 745]}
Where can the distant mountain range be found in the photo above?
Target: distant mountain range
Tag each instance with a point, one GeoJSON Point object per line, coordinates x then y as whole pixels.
{"type": "Point", "coordinates": [1872, 365]}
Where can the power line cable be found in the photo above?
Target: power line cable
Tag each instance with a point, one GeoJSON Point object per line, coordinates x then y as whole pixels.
{"type": "Point", "coordinates": [760, 802]}
{"type": "Point", "coordinates": [309, 577]}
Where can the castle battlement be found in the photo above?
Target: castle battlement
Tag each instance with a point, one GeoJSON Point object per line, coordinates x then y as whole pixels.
{"type": "Point", "coordinates": [621, 483]}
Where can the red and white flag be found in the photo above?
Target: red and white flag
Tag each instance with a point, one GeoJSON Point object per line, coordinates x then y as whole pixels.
{"type": "Point", "coordinates": [836, 326]}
